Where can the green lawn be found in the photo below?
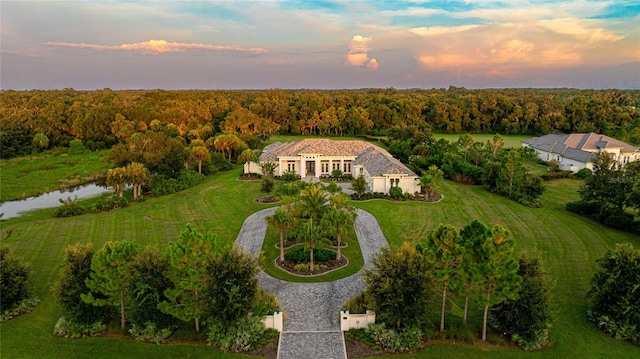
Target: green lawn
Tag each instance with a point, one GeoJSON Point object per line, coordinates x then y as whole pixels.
{"type": "Point", "coordinates": [570, 244]}
{"type": "Point", "coordinates": [509, 140]}
{"type": "Point", "coordinates": [220, 204]}
{"type": "Point", "coordinates": [28, 176]}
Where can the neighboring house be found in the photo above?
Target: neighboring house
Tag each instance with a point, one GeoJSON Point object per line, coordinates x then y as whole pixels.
{"type": "Point", "coordinates": [576, 151]}
{"type": "Point", "coordinates": [319, 157]}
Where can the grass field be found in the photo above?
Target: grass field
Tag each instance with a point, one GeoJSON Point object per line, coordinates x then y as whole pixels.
{"type": "Point", "coordinates": [509, 140]}
{"type": "Point", "coordinates": [570, 245]}
{"type": "Point", "coordinates": [28, 176]}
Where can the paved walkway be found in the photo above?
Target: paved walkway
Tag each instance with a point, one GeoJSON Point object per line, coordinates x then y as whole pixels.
{"type": "Point", "coordinates": [311, 326]}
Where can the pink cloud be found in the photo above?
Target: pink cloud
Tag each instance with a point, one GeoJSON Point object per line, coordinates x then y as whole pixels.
{"type": "Point", "coordinates": [358, 53]}
{"type": "Point", "coordinates": [156, 47]}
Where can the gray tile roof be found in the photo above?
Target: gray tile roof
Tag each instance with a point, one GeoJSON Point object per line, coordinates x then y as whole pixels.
{"type": "Point", "coordinates": [376, 160]}
{"type": "Point", "coordinates": [578, 146]}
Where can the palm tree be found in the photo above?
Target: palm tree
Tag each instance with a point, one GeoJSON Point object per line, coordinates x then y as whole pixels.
{"type": "Point", "coordinates": [429, 180]}
{"type": "Point", "coordinates": [341, 215]}
{"type": "Point", "coordinates": [282, 220]}
{"type": "Point", "coordinates": [310, 234]}
{"type": "Point", "coordinates": [137, 175]}
{"type": "Point", "coordinates": [117, 178]}
{"type": "Point", "coordinates": [313, 202]}
{"type": "Point", "coordinates": [199, 153]}
{"type": "Point", "coordinates": [248, 156]}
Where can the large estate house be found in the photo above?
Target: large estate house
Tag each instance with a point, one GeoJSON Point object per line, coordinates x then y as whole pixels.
{"type": "Point", "coordinates": [319, 157]}
{"type": "Point", "coordinates": [576, 151]}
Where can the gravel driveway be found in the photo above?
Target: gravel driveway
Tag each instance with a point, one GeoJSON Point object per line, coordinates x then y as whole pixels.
{"type": "Point", "coordinates": [311, 327]}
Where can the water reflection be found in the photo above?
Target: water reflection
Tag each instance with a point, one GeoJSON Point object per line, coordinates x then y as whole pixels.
{"type": "Point", "coordinates": [11, 209]}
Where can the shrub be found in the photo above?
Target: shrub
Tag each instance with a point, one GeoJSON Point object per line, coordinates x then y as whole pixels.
{"type": "Point", "coordinates": [395, 192]}
{"type": "Point", "coordinates": [583, 173]}
{"type": "Point", "coordinates": [247, 334]}
{"type": "Point", "coordinates": [150, 333]}
{"type": "Point", "coordinates": [69, 329]}
{"type": "Point", "coordinates": [69, 208]}
{"type": "Point", "coordinates": [336, 173]}
{"type": "Point", "coordinates": [265, 303]}
{"type": "Point", "coordinates": [395, 341]}
{"type": "Point", "coordinates": [14, 280]}
{"type": "Point", "coordinates": [619, 220]}
{"type": "Point", "coordinates": [220, 163]}
{"type": "Point", "coordinates": [163, 185]}
{"type": "Point", "coordinates": [76, 146]}
{"type": "Point", "coordinates": [290, 176]}
{"type": "Point", "coordinates": [555, 175]}
{"type": "Point", "coordinates": [358, 304]}
{"type": "Point", "coordinates": [23, 307]}
{"type": "Point", "coordinates": [302, 254]}
{"type": "Point", "coordinates": [110, 203]}
{"type": "Point", "coordinates": [267, 184]}
{"type": "Point", "coordinates": [582, 207]}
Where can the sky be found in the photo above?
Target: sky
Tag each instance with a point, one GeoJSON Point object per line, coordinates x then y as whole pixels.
{"type": "Point", "coordinates": [320, 44]}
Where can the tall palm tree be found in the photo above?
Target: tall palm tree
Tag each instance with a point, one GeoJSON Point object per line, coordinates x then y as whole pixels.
{"type": "Point", "coordinates": [310, 233]}
{"type": "Point", "coordinates": [341, 215]}
{"type": "Point", "coordinates": [313, 202]}
{"type": "Point", "coordinates": [282, 220]}
{"type": "Point", "coordinates": [137, 175]}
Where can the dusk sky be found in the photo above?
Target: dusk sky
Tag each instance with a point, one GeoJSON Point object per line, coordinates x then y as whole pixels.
{"type": "Point", "coordinates": [319, 44]}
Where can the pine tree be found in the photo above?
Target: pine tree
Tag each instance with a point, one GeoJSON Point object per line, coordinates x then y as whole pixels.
{"type": "Point", "coordinates": [110, 274]}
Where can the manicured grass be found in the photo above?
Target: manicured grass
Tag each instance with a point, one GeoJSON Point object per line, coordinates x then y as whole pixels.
{"type": "Point", "coordinates": [509, 140]}
{"type": "Point", "coordinates": [220, 205]}
{"type": "Point", "coordinates": [570, 245]}
{"type": "Point", "coordinates": [270, 252]}
{"type": "Point", "coordinates": [28, 176]}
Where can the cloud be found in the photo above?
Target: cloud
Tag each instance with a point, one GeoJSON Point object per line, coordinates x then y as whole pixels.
{"type": "Point", "coordinates": [508, 49]}
{"type": "Point", "coordinates": [358, 53]}
{"type": "Point", "coordinates": [156, 47]}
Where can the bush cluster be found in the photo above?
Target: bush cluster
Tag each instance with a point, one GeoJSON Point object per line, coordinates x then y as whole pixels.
{"type": "Point", "coordinates": [110, 203]}
{"type": "Point", "coordinates": [301, 254]}
{"type": "Point", "coordinates": [69, 208]}
{"type": "Point", "coordinates": [70, 329]}
{"type": "Point", "coordinates": [555, 175]}
{"type": "Point", "coordinates": [380, 195]}
{"type": "Point", "coordinates": [163, 185]}
{"type": "Point", "coordinates": [395, 340]}
{"type": "Point", "coordinates": [150, 333]}
{"type": "Point", "coordinates": [247, 334]}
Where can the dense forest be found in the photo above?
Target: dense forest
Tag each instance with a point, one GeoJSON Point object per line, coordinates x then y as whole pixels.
{"type": "Point", "coordinates": [41, 119]}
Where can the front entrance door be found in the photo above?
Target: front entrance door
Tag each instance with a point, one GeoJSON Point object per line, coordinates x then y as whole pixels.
{"type": "Point", "coordinates": [310, 168]}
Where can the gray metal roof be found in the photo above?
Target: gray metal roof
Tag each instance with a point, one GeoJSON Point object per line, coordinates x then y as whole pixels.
{"type": "Point", "coordinates": [578, 146]}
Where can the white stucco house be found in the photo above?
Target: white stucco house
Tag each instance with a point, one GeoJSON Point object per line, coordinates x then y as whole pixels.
{"type": "Point", "coordinates": [576, 151]}
{"type": "Point", "coordinates": [318, 157]}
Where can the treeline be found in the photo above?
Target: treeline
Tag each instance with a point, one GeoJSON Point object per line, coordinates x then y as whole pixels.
{"type": "Point", "coordinates": [152, 293]}
{"type": "Point", "coordinates": [105, 117]}
{"type": "Point", "coordinates": [500, 170]}
{"type": "Point", "coordinates": [475, 265]}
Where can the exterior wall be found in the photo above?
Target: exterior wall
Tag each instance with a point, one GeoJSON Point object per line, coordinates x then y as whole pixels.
{"type": "Point", "coordinates": [383, 183]}
{"type": "Point", "coordinates": [273, 321]}
{"type": "Point", "coordinates": [343, 163]}
{"type": "Point", "coordinates": [255, 168]}
{"type": "Point", "coordinates": [356, 321]}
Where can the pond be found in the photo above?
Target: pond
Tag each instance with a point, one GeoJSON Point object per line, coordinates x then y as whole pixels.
{"type": "Point", "coordinates": [12, 209]}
